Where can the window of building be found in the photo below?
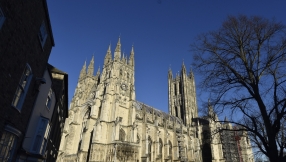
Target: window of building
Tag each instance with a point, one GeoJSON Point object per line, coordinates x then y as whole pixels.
{"type": "Point", "coordinates": [84, 126]}
{"type": "Point", "coordinates": [160, 146]}
{"type": "Point", "coordinates": [149, 148]}
{"type": "Point", "coordinates": [49, 99]}
{"type": "Point", "coordinates": [8, 143]}
{"type": "Point", "coordinates": [43, 34]}
{"type": "Point", "coordinates": [2, 18]}
{"type": "Point", "coordinates": [170, 148]}
{"type": "Point", "coordinates": [41, 137]}
{"type": "Point", "coordinates": [22, 88]}
{"type": "Point", "coordinates": [122, 135]}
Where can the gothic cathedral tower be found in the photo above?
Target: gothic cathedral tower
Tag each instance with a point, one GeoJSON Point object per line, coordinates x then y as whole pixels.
{"type": "Point", "coordinates": [102, 106]}
{"type": "Point", "coordinates": [116, 89]}
{"type": "Point", "coordinates": [182, 96]}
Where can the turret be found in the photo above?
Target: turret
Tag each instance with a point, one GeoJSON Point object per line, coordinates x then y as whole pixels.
{"type": "Point", "coordinates": [98, 71]}
{"type": "Point", "coordinates": [191, 74]}
{"type": "Point", "coordinates": [170, 75]}
{"type": "Point", "coordinates": [211, 112]}
{"type": "Point", "coordinates": [108, 56]}
{"type": "Point", "coordinates": [83, 71]}
{"type": "Point", "coordinates": [183, 68]}
{"type": "Point", "coordinates": [227, 124]}
{"type": "Point", "coordinates": [124, 59]}
{"type": "Point", "coordinates": [90, 68]}
{"type": "Point", "coordinates": [117, 53]}
{"type": "Point", "coordinates": [131, 57]}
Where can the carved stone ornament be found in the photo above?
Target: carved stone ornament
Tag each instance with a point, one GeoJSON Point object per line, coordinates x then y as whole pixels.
{"type": "Point", "coordinates": [123, 86]}
{"type": "Point", "coordinates": [138, 116]}
{"type": "Point", "coordinates": [147, 129]}
{"type": "Point", "coordinates": [149, 120]}
{"type": "Point", "coordinates": [80, 94]}
{"type": "Point", "coordinates": [134, 125]}
{"type": "Point", "coordinates": [158, 132]}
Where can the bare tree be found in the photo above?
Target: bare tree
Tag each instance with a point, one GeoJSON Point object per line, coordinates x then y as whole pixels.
{"type": "Point", "coordinates": [243, 65]}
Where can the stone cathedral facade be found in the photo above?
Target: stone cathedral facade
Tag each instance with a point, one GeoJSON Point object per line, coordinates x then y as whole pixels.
{"type": "Point", "coordinates": [106, 123]}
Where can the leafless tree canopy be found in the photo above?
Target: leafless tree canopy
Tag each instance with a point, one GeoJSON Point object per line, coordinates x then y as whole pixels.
{"type": "Point", "coordinates": [243, 65]}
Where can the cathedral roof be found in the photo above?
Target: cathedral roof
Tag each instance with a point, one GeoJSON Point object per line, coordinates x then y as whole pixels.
{"type": "Point", "coordinates": [159, 113]}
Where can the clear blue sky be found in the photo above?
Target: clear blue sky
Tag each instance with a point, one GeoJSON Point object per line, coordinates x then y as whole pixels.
{"type": "Point", "coordinates": [161, 31]}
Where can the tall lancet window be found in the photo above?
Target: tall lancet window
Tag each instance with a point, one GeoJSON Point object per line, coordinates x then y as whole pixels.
{"type": "Point", "coordinates": [122, 135]}
{"type": "Point", "coordinates": [170, 148]}
{"type": "Point", "coordinates": [149, 148]}
{"type": "Point", "coordinates": [84, 126]}
{"type": "Point", "coordinates": [160, 146]}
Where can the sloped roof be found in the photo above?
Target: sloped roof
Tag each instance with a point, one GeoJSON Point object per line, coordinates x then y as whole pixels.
{"type": "Point", "coordinates": [159, 113]}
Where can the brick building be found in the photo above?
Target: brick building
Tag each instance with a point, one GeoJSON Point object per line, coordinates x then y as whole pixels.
{"type": "Point", "coordinates": [26, 41]}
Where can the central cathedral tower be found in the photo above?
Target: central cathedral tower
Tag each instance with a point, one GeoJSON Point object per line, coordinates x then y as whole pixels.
{"type": "Point", "coordinates": [182, 96]}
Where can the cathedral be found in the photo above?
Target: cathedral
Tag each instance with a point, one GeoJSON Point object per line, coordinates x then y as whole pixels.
{"type": "Point", "coordinates": [107, 124]}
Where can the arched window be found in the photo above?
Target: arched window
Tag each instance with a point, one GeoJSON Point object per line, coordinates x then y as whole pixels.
{"type": "Point", "coordinates": [84, 127]}
{"type": "Point", "coordinates": [149, 148]}
{"type": "Point", "coordinates": [170, 148]}
{"type": "Point", "coordinates": [160, 146]}
{"type": "Point", "coordinates": [122, 135]}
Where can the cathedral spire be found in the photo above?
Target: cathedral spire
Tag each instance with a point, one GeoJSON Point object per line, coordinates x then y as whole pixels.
{"type": "Point", "coordinates": [118, 46]}
{"type": "Point", "coordinates": [177, 75]}
{"type": "Point", "coordinates": [183, 68]}
{"type": "Point", "coordinates": [191, 74]}
{"type": "Point", "coordinates": [109, 49]}
{"type": "Point", "coordinates": [124, 58]}
{"type": "Point", "coordinates": [83, 71]}
{"type": "Point", "coordinates": [227, 124]}
{"type": "Point", "coordinates": [90, 68]}
{"type": "Point", "coordinates": [210, 108]}
{"type": "Point", "coordinates": [117, 53]}
{"type": "Point", "coordinates": [131, 57]}
{"type": "Point", "coordinates": [98, 71]}
{"type": "Point", "coordinates": [108, 56]}
{"type": "Point", "coordinates": [211, 112]}
{"type": "Point", "coordinates": [170, 75]}
{"type": "Point", "coordinates": [225, 119]}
